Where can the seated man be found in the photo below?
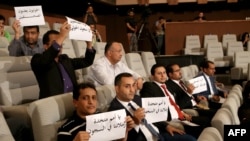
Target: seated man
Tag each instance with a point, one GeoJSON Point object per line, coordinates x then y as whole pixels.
{"type": "Point", "coordinates": [104, 70]}
{"type": "Point", "coordinates": [85, 101]}
{"type": "Point", "coordinates": [55, 72]}
{"type": "Point", "coordinates": [158, 88]}
{"type": "Point", "coordinates": [184, 92]}
{"type": "Point", "coordinates": [213, 95]}
{"type": "Point", "coordinates": [28, 44]}
{"type": "Point", "coordinates": [125, 87]}
{"type": "Point", "coordinates": [4, 33]}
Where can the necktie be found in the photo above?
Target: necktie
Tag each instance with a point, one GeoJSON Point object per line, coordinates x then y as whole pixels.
{"type": "Point", "coordinates": [149, 126]}
{"type": "Point", "coordinates": [180, 114]}
{"type": "Point", "coordinates": [183, 86]}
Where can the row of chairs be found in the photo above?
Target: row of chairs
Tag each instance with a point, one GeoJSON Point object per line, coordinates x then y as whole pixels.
{"type": "Point", "coordinates": [226, 115]}
{"type": "Point", "coordinates": [193, 44]}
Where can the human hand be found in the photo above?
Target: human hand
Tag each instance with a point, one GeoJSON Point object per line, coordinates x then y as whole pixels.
{"type": "Point", "coordinates": [16, 26]}
{"type": "Point", "coordinates": [139, 114]}
{"type": "Point", "coordinates": [216, 98]}
{"type": "Point", "coordinates": [65, 29]}
{"type": "Point", "coordinates": [130, 123]}
{"type": "Point", "coordinates": [171, 130]}
{"type": "Point", "coordinates": [82, 136]}
{"type": "Point", "coordinates": [187, 117]}
{"type": "Point", "coordinates": [190, 88]}
{"type": "Point", "coordinates": [200, 97]}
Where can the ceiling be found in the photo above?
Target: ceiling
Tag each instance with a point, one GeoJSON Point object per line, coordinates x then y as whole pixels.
{"type": "Point", "coordinates": [76, 8]}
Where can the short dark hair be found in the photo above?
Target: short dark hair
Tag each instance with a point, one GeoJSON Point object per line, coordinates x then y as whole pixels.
{"type": "Point", "coordinates": [169, 68]}
{"type": "Point", "coordinates": [2, 18]}
{"type": "Point", "coordinates": [205, 64]}
{"type": "Point", "coordinates": [155, 66]}
{"type": "Point", "coordinates": [76, 91]}
{"type": "Point", "coordinates": [33, 26]}
{"type": "Point", "coordinates": [108, 46]}
{"type": "Point", "coordinates": [46, 35]}
{"type": "Point", "coordinates": [119, 77]}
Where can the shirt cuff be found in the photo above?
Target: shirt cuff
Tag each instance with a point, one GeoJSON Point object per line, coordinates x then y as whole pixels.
{"type": "Point", "coordinates": [56, 46]}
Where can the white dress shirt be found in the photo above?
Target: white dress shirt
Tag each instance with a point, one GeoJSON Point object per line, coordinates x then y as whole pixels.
{"type": "Point", "coordinates": [102, 72]}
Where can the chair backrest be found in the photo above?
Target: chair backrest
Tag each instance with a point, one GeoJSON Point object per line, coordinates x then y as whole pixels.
{"type": "Point", "coordinates": [11, 20]}
{"type": "Point", "coordinates": [99, 47]}
{"type": "Point", "coordinates": [9, 29]}
{"type": "Point", "coordinates": [43, 29]}
{"type": "Point", "coordinates": [56, 26]}
{"type": "Point", "coordinates": [210, 134]}
{"type": "Point", "coordinates": [68, 48]}
{"type": "Point", "coordinates": [5, 134]}
{"type": "Point", "coordinates": [4, 43]}
{"type": "Point", "coordinates": [186, 73]}
{"type": "Point", "coordinates": [222, 117]}
{"type": "Point", "coordinates": [228, 38]}
{"type": "Point", "coordinates": [192, 41]}
{"type": "Point", "coordinates": [210, 38]}
{"type": "Point", "coordinates": [215, 53]}
{"type": "Point", "coordinates": [86, 70]}
{"type": "Point", "coordinates": [48, 114]}
{"type": "Point", "coordinates": [105, 94]}
{"type": "Point", "coordinates": [148, 60]}
{"type": "Point", "coordinates": [18, 84]}
{"type": "Point", "coordinates": [231, 104]}
{"type": "Point", "coordinates": [241, 60]}
{"type": "Point", "coordinates": [232, 47]}
{"type": "Point", "coordinates": [134, 62]}
{"type": "Point", "coordinates": [79, 47]}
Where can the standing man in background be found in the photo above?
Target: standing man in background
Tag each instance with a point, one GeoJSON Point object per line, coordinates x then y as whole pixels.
{"type": "Point", "coordinates": [90, 17]}
{"type": "Point", "coordinates": [160, 26]}
{"type": "Point", "coordinates": [131, 26]}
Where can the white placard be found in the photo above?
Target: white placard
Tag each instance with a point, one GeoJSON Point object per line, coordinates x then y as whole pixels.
{"type": "Point", "coordinates": [199, 84]}
{"type": "Point", "coordinates": [79, 30]}
{"type": "Point", "coordinates": [156, 109]}
{"type": "Point", "coordinates": [29, 15]}
{"type": "Point", "coordinates": [107, 126]}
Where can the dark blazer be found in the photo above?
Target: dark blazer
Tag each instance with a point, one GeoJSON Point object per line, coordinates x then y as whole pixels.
{"type": "Point", "coordinates": [208, 92]}
{"type": "Point", "coordinates": [48, 74]}
{"type": "Point", "coordinates": [181, 97]}
{"type": "Point", "coordinates": [132, 134]}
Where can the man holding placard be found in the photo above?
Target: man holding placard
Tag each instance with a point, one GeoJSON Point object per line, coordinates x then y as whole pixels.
{"type": "Point", "coordinates": [125, 87]}
{"type": "Point", "coordinates": [213, 95]}
{"type": "Point", "coordinates": [158, 88]}
{"type": "Point", "coordinates": [85, 102]}
{"type": "Point", "coordinates": [30, 17]}
{"type": "Point", "coordinates": [55, 72]}
{"type": "Point", "coordinates": [184, 93]}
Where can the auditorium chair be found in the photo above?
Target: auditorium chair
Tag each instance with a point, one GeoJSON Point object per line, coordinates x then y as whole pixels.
{"type": "Point", "coordinates": [193, 45]}
{"type": "Point", "coordinates": [80, 47]}
{"type": "Point", "coordinates": [4, 43]}
{"type": "Point", "coordinates": [210, 38]}
{"type": "Point", "coordinates": [134, 62]}
{"type": "Point", "coordinates": [148, 60]}
{"type": "Point", "coordinates": [48, 114]}
{"type": "Point", "coordinates": [18, 84]}
{"type": "Point", "coordinates": [210, 134]}
{"type": "Point", "coordinates": [232, 47]}
{"type": "Point", "coordinates": [5, 134]}
{"type": "Point", "coordinates": [99, 47]}
{"type": "Point", "coordinates": [240, 69]}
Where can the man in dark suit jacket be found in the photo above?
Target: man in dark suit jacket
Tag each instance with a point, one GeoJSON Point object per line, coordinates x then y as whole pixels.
{"type": "Point", "coordinates": [213, 94]}
{"type": "Point", "coordinates": [55, 72]}
{"type": "Point", "coordinates": [183, 93]}
{"type": "Point", "coordinates": [153, 89]}
{"type": "Point", "coordinates": [125, 87]}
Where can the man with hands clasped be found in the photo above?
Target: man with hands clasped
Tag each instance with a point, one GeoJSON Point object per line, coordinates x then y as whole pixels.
{"type": "Point", "coordinates": [90, 17]}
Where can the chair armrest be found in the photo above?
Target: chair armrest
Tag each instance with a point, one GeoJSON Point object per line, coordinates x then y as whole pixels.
{"type": "Point", "coordinates": [191, 112]}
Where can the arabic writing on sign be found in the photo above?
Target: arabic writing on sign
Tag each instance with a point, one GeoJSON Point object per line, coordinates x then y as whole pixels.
{"type": "Point", "coordinates": [199, 84]}
{"type": "Point", "coordinates": [29, 15]}
{"type": "Point", "coordinates": [107, 126]}
{"type": "Point", "coordinates": [79, 30]}
{"type": "Point", "coordinates": [156, 109]}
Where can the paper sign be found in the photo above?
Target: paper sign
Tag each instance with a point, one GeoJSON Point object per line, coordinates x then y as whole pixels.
{"type": "Point", "coordinates": [30, 15]}
{"type": "Point", "coordinates": [199, 84]}
{"type": "Point", "coordinates": [107, 126]}
{"type": "Point", "coordinates": [79, 30]}
{"type": "Point", "coordinates": [156, 109]}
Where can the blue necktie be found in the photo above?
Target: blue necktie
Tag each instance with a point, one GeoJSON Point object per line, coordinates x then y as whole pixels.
{"type": "Point", "coordinates": [149, 126]}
